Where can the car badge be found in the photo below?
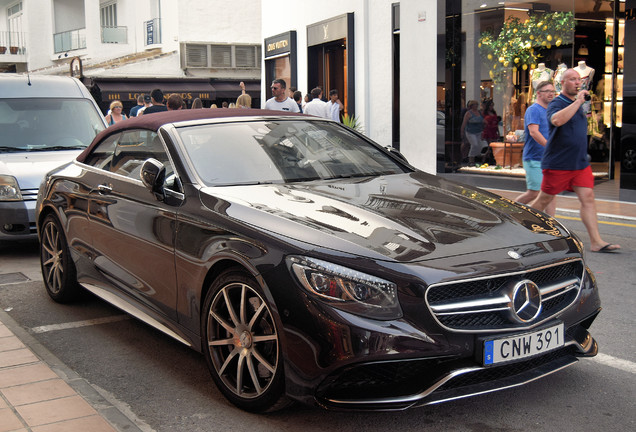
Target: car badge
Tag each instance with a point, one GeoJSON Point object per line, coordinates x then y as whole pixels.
{"type": "Point", "coordinates": [514, 255]}
{"type": "Point", "coordinates": [525, 304]}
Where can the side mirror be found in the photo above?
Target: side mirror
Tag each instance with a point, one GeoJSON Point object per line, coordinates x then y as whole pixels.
{"type": "Point", "coordinates": [153, 175]}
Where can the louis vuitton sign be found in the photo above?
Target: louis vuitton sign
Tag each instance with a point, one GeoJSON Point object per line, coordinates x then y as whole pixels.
{"type": "Point", "coordinates": [329, 30]}
{"type": "Point", "coordinates": [280, 44]}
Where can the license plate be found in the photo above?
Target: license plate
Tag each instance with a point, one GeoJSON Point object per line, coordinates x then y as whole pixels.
{"type": "Point", "coordinates": [522, 346]}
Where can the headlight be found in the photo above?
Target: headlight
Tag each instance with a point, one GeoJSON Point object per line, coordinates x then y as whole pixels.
{"type": "Point", "coordinates": [348, 289]}
{"type": "Point", "coordinates": [9, 189]}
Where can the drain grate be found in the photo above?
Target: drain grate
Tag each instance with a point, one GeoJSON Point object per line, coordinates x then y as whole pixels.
{"type": "Point", "coordinates": [9, 278]}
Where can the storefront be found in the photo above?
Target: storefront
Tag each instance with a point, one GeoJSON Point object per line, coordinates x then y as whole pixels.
{"type": "Point", "coordinates": [330, 58]}
{"type": "Point", "coordinates": [126, 90]}
{"type": "Point", "coordinates": [281, 60]}
{"type": "Point", "coordinates": [500, 51]}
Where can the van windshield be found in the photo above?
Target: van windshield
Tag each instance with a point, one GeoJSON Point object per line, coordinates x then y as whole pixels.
{"type": "Point", "coordinates": [46, 124]}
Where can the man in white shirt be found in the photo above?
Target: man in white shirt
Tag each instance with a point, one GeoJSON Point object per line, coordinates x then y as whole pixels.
{"type": "Point", "coordinates": [317, 107]}
{"type": "Point", "coordinates": [335, 106]}
{"type": "Point", "coordinates": [280, 101]}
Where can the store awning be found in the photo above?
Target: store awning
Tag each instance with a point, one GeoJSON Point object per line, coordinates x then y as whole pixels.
{"type": "Point", "coordinates": [232, 89]}
{"type": "Point", "coordinates": [127, 89]}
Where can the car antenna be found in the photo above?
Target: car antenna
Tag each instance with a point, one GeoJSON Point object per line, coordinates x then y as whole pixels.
{"type": "Point", "coordinates": [28, 78]}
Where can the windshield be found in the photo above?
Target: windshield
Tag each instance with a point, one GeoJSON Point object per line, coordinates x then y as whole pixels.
{"type": "Point", "coordinates": [45, 124]}
{"type": "Point", "coordinates": [281, 151]}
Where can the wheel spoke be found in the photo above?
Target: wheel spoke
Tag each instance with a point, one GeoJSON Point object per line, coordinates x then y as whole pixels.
{"type": "Point", "coordinates": [221, 342]}
{"type": "Point", "coordinates": [254, 375]}
{"type": "Point", "coordinates": [230, 308]}
{"type": "Point", "coordinates": [239, 375]}
{"type": "Point", "coordinates": [257, 355]}
{"type": "Point", "coordinates": [256, 316]}
{"type": "Point", "coordinates": [243, 302]}
{"type": "Point", "coordinates": [221, 321]}
{"type": "Point", "coordinates": [228, 360]}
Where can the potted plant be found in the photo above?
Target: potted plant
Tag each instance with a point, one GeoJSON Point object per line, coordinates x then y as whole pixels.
{"type": "Point", "coordinates": [3, 49]}
{"type": "Point", "coordinates": [13, 49]}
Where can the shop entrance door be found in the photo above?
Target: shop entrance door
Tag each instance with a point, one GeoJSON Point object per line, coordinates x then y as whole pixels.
{"type": "Point", "coordinates": [327, 69]}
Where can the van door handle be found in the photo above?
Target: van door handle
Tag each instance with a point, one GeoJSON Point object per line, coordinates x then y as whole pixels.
{"type": "Point", "coordinates": [104, 189]}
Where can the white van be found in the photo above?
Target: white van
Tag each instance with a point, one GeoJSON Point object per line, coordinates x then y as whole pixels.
{"type": "Point", "coordinates": [45, 121]}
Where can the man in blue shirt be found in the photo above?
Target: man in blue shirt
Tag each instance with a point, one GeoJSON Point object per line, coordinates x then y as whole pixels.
{"type": "Point", "coordinates": [565, 165]}
{"type": "Point", "coordinates": [537, 130]}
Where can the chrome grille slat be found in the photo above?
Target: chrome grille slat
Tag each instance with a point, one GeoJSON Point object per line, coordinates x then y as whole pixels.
{"type": "Point", "coordinates": [483, 304]}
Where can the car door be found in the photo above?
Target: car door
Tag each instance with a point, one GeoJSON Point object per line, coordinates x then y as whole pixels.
{"type": "Point", "coordinates": [132, 231]}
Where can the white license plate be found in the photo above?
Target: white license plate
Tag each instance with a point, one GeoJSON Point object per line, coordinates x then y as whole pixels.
{"type": "Point", "coordinates": [522, 346]}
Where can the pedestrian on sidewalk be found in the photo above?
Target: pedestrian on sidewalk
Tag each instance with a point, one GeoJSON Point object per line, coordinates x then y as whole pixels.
{"type": "Point", "coordinates": [536, 133]}
{"type": "Point", "coordinates": [565, 164]}
{"type": "Point", "coordinates": [279, 100]}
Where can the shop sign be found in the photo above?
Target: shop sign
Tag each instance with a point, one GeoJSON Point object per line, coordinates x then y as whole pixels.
{"type": "Point", "coordinates": [326, 31]}
{"type": "Point", "coordinates": [279, 44]}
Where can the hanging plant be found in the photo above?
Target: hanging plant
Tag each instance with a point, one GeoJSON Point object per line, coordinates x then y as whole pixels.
{"type": "Point", "coordinates": [519, 44]}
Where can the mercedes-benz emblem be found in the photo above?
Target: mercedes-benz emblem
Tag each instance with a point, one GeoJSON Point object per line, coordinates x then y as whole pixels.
{"type": "Point", "coordinates": [525, 303]}
{"type": "Point", "coordinates": [513, 255]}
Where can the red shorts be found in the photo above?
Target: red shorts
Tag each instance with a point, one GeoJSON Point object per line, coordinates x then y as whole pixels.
{"type": "Point", "coordinates": [556, 181]}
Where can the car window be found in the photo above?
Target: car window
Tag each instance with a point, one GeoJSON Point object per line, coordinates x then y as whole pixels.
{"type": "Point", "coordinates": [133, 148]}
{"type": "Point", "coordinates": [102, 154]}
{"type": "Point", "coordinates": [47, 124]}
{"type": "Point", "coordinates": [281, 151]}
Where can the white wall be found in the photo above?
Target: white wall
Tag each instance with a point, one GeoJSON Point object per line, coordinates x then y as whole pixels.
{"type": "Point", "coordinates": [418, 83]}
{"type": "Point", "coordinates": [373, 65]}
{"type": "Point", "coordinates": [238, 21]}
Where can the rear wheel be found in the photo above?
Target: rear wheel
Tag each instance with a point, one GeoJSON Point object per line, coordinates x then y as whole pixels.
{"type": "Point", "coordinates": [58, 270]}
{"type": "Point", "coordinates": [242, 343]}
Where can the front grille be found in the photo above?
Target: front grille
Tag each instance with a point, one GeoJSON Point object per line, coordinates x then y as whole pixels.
{"type": "Point", "coordinates": [29, 194]}
{"type": "Point", "coordinates": [484, 304]}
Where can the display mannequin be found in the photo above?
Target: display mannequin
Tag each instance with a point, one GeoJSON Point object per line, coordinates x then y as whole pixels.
{"type": "Point", "coordinates": [558, 75]}
{"type": "Point", "coordinates": [586, 73]}
{"type": "Point", "coordinates": [541, 73]}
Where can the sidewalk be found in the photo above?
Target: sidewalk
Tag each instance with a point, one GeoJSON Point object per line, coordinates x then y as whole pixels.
{"type": "Point", "coordinates": [39, 393]}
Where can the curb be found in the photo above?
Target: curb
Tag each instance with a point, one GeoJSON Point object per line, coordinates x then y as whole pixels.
{"type": "Point", "coordinates": [116, 418]}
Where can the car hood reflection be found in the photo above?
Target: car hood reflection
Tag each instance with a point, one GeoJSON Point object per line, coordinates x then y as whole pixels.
{"type": "Point", "coordinates": [405, 217]}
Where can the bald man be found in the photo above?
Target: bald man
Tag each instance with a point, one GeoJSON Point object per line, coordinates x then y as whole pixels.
{"type": "Point", "coordinates": [565, 165]}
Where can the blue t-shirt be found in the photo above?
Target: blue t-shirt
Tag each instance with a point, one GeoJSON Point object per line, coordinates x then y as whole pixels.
{"type": "Point", "coordinates": [567, 144]}
{"type": "Point", "coordinates": [535, 114]}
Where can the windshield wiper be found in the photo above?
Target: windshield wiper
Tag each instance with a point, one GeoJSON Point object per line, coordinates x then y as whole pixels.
{"type": "Point", "coordinates": [12, 149]}
{"type": "Point", "coordinates": [55, 148]}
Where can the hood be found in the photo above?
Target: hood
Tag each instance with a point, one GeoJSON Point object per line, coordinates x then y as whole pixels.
{"type": "Point", "coordinates": [29, 167]}
{"type": "Point", "coordinates": [406, 217]}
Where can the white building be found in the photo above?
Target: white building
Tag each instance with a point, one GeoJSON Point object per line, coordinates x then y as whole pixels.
{"type": "Point", "coordinates": [381, 56]}
{"type": "Point", "coordinates": [120, 48]}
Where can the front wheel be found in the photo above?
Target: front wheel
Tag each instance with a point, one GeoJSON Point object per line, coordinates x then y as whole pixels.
{"type": "Point", "coordinates": [58, 270]}
{"type": "Point", "coordinates": [241, 343]}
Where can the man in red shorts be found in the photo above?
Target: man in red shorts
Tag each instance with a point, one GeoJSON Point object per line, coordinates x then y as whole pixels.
{"type": "Point", "coordinates": [564, 164]}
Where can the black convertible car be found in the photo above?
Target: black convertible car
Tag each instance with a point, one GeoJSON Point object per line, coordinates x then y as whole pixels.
{"type": "Point", "coordinates": [308, 263]}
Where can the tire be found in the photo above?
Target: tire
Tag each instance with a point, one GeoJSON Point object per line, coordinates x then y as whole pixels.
{"type": "Point", "coordinates": [58, 269]}
{"type": "Point", "coordinates": [241, 343]}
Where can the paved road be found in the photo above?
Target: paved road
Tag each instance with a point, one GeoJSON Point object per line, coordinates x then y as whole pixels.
{"type": "Point", "coordinates": [164, 386]}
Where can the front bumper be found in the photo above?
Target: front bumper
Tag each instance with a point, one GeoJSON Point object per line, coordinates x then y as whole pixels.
{"type": "Point", "coordinates": [17, 220]}
{"type": "Point", "coordinates": [409, 383]}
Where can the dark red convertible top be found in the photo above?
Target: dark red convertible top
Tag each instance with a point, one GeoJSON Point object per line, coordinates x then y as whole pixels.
{"type": "Point", "coordinates": [155, 121]}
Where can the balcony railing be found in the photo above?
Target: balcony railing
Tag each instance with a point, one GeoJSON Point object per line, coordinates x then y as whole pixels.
{"type": "Point", "coordinates": [118, 35]}
{"type": "Point", "coordinates": [153, 31]}
{"type": "Point", "coordinates": [69, 40]}
{"type": "Point", "coordinates": [12, 42]}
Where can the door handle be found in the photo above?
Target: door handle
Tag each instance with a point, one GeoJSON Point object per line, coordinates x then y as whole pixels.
{"type": "Point", "coordinates": [104, 189]}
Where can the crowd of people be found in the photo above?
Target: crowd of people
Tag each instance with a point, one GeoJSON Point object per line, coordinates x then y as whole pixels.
{"type": "Point", "coordinates": [282, 100]}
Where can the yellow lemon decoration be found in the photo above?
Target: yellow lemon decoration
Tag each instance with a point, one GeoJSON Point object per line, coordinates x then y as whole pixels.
{"type": "Point", "coordinates": [525, 67]}
{"type": "Point", "coordinates": [548, 46]}
{"type": "Point", "coordinates": [516, 59]}
{"type": "Point", "coordinates": [489, 56]}
{"type": "Point", "coordinates": [549, 38]}
{"type": "Point", "coordinates": [559, 42]}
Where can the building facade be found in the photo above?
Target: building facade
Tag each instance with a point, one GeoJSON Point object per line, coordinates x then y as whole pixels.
{"type": "Point", "coordinates": [121, 48]}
